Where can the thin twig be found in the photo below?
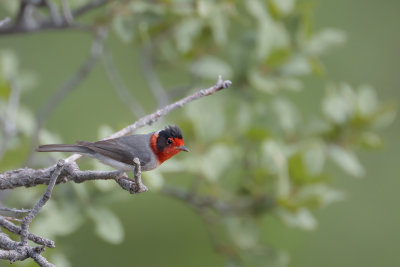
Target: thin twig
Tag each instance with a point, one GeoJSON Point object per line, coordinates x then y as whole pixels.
{"type": "Point", "coordinates": [18, 251]}
{"type": "Point", "coordinates": [120, 87]}
{"type": "Point", "coordinates": [46, 196]}
{"type": "Point", "coordinates": [89, 6]}
{"type": "Point", "coordinates": [66, 171]}
{"type": "Point", "coordinates": [51, 23]}
{"type": "Point", "coordinates": [201, 202]}
{"type": "Point", "coordinates": [54, 14]}
{"type": "Point", "coordinates": [12, 219]}
{"type": "Point", "coordinates": [14, 212]}
{"type": "Point", "coordinates": [153, 117]}
{"type": "Point", "coordinates": [17, 230]}
{"type": "Point", "coordinates": [30, 177]}
{"type": "Point", "coordinates": [66, 11]}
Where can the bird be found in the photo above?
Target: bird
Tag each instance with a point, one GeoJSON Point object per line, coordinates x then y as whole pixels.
{"type": "Point", "coordinates": [151, 149]}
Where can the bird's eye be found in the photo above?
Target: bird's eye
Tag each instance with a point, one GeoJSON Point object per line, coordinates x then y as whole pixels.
{"type": "Point", "coordinates": [169, 141]}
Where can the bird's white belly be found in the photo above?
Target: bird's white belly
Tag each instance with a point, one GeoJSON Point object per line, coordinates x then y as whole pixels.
{"type": "Point", "coordinates": [114, 163]}
{"type": "Point", "coordinates": [123, 166]}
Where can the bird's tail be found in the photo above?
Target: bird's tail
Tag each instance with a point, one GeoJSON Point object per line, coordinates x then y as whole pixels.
{"type": "Point", "coordinates": [64, 148]}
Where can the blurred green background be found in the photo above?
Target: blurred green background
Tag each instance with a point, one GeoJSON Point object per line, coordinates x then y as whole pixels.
{"type": "Point", "coordinates": [362, 230]}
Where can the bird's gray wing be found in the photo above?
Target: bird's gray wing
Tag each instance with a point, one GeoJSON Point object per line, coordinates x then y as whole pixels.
{"type": "Point", "coordinates": [123, 149]}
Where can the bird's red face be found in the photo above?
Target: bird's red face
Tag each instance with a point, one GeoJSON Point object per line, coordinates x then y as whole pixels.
{"type": "Point", "coordinates": [167, 143]}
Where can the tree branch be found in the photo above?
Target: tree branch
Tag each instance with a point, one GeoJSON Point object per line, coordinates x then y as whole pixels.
{"type": "Point", "coordinates": [66, 11]}
{"type": "Point", "coordinates": [30, 177]}
{"type": "Point", "coordinates": [18, 251]}
{"type": "Point", "coordinates": [17, 230]}
{"type": "Point", "coordinates": [153, 117]}
{"type": "Point", "coordinates": [202, 202]}
{"type": "Point", "coordinates": [25, 24]}
{"type": "Point", "coordinates": [67, 170]}
{"type": "Point", "coordinates": [46, 196]}
{"type": "Point", "coordinates": [89, 6]}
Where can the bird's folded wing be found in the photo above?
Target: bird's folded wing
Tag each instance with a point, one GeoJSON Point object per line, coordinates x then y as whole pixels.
{"type": "Point", "coordinates": [111, 149]}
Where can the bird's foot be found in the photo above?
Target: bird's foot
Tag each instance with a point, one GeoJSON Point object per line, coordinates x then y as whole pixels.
{"type": "Point", "coordinates": [137, 173]}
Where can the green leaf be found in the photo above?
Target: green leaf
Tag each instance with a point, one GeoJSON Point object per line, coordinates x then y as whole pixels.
{"type": "Point", "coordinates": [324, 40]}
{"type": "Point", "coordinates": [275, 161]}
{"type": "Point", "coordinates": [25, 121]}
{"type": "Point", "coordinates": [185, 33]}
{"type": "Point", "coordinates": [124, 28]}
{"type": "Point", "coordinates": [243, 117]}
{"type": "Point", "coordinates": [272, 85]}
{"type": "Point", "coordinates": [140, 7]}
{"type": "Point", "coordinates": [284, 7]}
{"type": "Point", "coordinates": [319, 194]}
{"type": "Point", "coordinates": [219, 26]}
{"type": "Point", "coordinates": [384, 116]}
{"type": "Point", "coordinates": [261, 82]}
{"type": "Point", "coordinates": [8, 64]}
{"type": "Point", "coordinates": [287, 115]}
{"type": "Point", "coordinates": [256, 133]}
{"type": "Point", "coordinates": [256, 8]}
{"type": "Point", "coordinates": [217, 159]}
{"type": "Point", "coordinates": [200, 112]}
{"type": "Point", "coordinates": [298, 65]}
{"type": "Point", "coordinates": [314, 157]}
{"type": "Point", "coordinates": [278, 57]}
{"type": "Point", "coordinates": [243, 232]}
{"type": "Point", "coordinates": [346, 160]}
{"type": "Point", "coordinates": [204, 8]}
{"type": "Point", "coordinates": [371, 140]}
{"type": "Point", "coordinates": [108, 226]}
{"type": "Point", "coordinates": [337, 105]}
{"type": "Point", "coordinates": [316, 66]}
{"type": "Point", "coordinates": [5, 89]}
{"type": "Point", "coordinates": [271, 35]}
{"type": "Point", "coordinates": [367, 101]}
{"type": "Point", "coordinates": [210, 66]}
{"type": "Point", "coordinates": [302, 218]}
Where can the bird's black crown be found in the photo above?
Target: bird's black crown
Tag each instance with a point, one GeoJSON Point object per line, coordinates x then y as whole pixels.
{"type": "Point", "coordinates": [171, 131]}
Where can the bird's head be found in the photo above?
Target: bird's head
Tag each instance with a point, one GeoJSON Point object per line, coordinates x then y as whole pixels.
{"type": "Point", "coordinates": [167, 143]}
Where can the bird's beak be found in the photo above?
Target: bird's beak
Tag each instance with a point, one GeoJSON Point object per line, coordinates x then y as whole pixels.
{"type": "Point", "coordinates": [183, 148]}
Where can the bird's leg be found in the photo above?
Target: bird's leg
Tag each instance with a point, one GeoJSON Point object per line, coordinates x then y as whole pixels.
{"type": "Point", "coordinates": [137, 173]}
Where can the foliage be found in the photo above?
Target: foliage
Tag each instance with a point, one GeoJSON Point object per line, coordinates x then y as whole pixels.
{"type": "Point", "coordinates": [252, 143]}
